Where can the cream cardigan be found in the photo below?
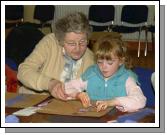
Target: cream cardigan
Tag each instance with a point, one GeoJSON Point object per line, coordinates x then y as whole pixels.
{"type": "Point", "coordinates": [46, 62]}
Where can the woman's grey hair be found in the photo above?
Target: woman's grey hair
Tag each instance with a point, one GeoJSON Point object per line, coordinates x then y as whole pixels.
{"type": "Point", "coordinates": [75, 22]}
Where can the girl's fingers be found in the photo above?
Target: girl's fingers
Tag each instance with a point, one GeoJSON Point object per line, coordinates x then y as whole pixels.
{"type": "Point", "coordinates": [86, 101]}
{"type": "Point", "coordinates": [101, 106]}
{"type": "Point", "coordinates": [98, 102]}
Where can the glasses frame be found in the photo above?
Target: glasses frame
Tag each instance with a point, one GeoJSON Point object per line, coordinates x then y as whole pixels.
{"type": "Point", "coordinates": [82, 43]}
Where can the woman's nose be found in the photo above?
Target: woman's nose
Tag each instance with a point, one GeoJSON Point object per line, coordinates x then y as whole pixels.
{"type": "Point", "coordinates": [77, 47]}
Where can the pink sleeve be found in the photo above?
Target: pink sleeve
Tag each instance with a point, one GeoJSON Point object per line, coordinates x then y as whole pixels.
{"type": "Point", "coordinates": [75, 86]}
{"type": "Point", "coordinates": [134, 100]}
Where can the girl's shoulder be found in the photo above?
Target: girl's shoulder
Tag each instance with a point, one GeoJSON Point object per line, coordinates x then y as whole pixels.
{"type": "Point", "coordinates": [132, 74]}
{"type": "Point", "coordinates": [90, 72]}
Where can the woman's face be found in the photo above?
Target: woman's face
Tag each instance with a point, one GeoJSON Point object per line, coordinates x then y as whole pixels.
{"type": "Point", "coordinates": [75, 44]}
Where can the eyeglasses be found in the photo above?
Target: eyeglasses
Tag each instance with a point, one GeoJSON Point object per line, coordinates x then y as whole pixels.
{"type": "Point", "coordinates": [82, 43]}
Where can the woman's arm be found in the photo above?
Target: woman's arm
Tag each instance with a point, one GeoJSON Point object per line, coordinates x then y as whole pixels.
{"type": "Point", "coordinates": [29, 71]}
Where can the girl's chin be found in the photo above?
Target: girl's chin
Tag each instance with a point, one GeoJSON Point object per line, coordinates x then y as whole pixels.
{"type": "Point", "coordinates": [106, 76]}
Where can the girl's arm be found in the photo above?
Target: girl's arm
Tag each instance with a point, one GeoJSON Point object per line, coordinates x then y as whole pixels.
{"type": "Point", "coordinates": [134, 100]}
{"type": "Point", "coordinates": [73, 87]}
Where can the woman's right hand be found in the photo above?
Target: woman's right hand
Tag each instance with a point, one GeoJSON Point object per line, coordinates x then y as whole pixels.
{"type": "Point", "coordinates": [56, 89]}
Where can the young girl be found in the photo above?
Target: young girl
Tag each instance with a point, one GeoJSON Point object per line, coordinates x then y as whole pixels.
{"type": "Point", "coordinates": [110, 82]}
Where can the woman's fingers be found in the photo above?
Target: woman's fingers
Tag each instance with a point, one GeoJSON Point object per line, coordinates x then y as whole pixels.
{"type": "Point", "coordinates": [58, 91]}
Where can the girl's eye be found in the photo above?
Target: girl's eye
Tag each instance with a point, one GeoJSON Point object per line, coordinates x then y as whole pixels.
{"type": "Point", "coordinates": [110, 62]}
{"type": "Point", "coordinates": [99, 61]}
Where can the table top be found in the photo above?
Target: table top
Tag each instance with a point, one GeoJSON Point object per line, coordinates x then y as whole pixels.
{"type": "Point", "coordinates": [145, 115]}
{"type": "Point", "coordinates": [50, 118]}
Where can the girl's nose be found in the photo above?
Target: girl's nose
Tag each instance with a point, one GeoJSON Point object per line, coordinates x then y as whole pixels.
{"type": "Point", "coordinates": [104, 65]}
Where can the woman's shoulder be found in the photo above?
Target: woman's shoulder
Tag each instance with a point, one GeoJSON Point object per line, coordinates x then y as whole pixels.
{"type": "Point", "coordinates": [50, 37]}
{"type": "Point", "coordinates": [49, 40]}
{"type": "Point", "coordinates": [89, 54]}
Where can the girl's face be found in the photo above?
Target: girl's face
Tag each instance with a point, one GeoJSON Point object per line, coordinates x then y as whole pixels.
{"type": "Point", "coordinates": [109, 67]}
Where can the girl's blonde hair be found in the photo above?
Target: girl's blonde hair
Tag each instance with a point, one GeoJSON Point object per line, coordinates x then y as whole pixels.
{"type": "Point", "coordinates": [107, 46]}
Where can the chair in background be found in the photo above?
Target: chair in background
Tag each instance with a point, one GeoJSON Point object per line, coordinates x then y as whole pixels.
{"type": "Point", "coordinates": [44, 13]}
{"type": "Point", "coordinates": [101, 17]}
{"type": "Point", "coordinates": [20, 42]}
{"type": "Point", "coordinates": [133, 19]}
{"type": "Point", "coordinates": [151, 29]}
{"type": "Point", "coordinates": [144, 77]}
{"type": "Point", "coordinates": [13, 15]}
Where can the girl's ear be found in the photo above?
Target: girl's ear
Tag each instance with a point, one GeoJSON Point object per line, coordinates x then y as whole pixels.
{"type": "Point", "coordinates": [122, 60]}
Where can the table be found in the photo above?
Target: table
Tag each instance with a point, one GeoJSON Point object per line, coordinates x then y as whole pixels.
{"type": "Point", "coordinates": [20, 101]}
{"type": "Point", "coordinates": [49, 118]}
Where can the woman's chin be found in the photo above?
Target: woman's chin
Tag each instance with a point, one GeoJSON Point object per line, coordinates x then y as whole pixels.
{"type": "Point", "coordinates": [76, 57]}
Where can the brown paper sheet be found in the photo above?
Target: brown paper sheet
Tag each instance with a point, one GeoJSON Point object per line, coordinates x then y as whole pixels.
{"type": "Point", "coordinates": [73, 108]}
{"type": "Point", "coordinates": [16, 100]}
{"type": "Point", "coordinates": [59, 107]}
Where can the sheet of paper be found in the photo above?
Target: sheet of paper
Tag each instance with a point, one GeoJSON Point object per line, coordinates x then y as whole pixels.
{"type": "Point", "coordinates": [73, 107]}
{"type": "Point", "coordinates": [26, 111]}
{"type": "Point", "coordinates": [17, 100]}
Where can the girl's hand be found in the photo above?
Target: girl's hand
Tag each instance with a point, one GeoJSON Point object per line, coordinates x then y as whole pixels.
{"type": "Point", "coordinates": [101, 105]}
{"type": "Point", "coordinates": [84, 99]}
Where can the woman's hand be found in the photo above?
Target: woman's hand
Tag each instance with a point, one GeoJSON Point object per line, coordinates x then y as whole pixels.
{"type": "Point", "coordinates": [84, 99]}
{"type": "Point", "coordinates": [56, 89]}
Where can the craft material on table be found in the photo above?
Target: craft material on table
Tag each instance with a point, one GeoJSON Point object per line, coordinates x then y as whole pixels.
{"type": "Point", "coordinates": [73, 108]}
{"type": "Point", "coordinates": [26, 111]}
{"type": "Point", "coordinates": [47, 104]}
{"type": "Point", "coordinates": [11, 119]}
{"type": "Point", "coordinates": [32, 109]}
{"type": "Point", "coordinates": [16, 100]}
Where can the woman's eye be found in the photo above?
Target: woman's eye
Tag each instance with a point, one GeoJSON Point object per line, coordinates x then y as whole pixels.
{"type": "Point", "coordinates": [71, 44]}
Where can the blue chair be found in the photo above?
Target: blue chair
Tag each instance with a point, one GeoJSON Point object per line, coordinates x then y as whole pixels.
{"type": "Point", "coordinates": [101, 17]}
{"type": "Point", "coordinates": [11, 63]}
{"type": "Point", "coordinates": [144, 77]}
{"type": "Point", "coordinates": [14, 15]}
{"type": "Point", "coordinates": [20, 42]}
{"type": "Point", "coordinates": [152, 30]}
{"type": "Point", "coordinates": [133, 19]}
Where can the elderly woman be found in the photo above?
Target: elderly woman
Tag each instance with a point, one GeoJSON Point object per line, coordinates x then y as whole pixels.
{"type": "Point", "coordinates": [59, 57]}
